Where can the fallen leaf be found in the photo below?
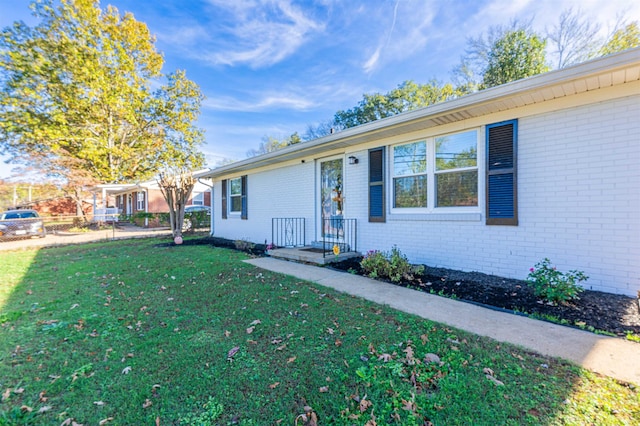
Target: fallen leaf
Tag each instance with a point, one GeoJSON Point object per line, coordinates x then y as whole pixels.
{"type": "Point", "coordinates": [429, 358]}
{"type": "Point", "coordinates": [323, 389]}
{"type": "Point", "coordinates": [255, 322]}
{"type": "Point", "coordinates": [330, 330]}
{"type": "Point", "coordinates": [98, 403]}
{"type": "Point", "coordinates": [494, 380]}
{"type": "Point", "coordinates": [424, 338]}
{"type": "Point", "coordinates": [385, 357]}
{"type": "Point", "coordinates": [408, 405]}
{"type": "Point", "coordinates": [42, 397]}
{"type": "Point", "coordinates": [250, 329]}
{"type": "Point", "coordinates": [227, 333]}
{"type": "Point", "coordinates": [44, 409]}
{"type": "Point", "coordinates": [18, 391]}
{"type": "Point", "coordinates": [147, 403]}
{"type": "Point", "coordinates": [126, 370]}
{"type": "Point", "coordinates": [26, 409]}
{"type": "Point", "coordinates": [102, 422]}
{"type": "Point", "coordinates": [365, 404]}
{"type": "Point", "coordinates": [290, 360]}
{"type": "Point", "coordinates": [75, 305]}
{"type": "Point", "coordinates": [274, 385]}
{"type": "Point", "coordinates": [6, 394]}
{"type": "Point", "coordinates": [233, 351]}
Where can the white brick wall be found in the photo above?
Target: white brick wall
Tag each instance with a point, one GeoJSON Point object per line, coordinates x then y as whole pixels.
{"type": "Point", "coordinates": [578, 203]}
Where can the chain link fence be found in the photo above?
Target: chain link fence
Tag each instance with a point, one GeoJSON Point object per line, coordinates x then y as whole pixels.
{"type": "Point", "coordinates": [26, 224]}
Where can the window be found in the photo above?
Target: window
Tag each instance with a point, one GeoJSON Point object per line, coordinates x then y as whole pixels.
{"type": "Point", "coordinates": [409, 175]}
{"type": "Point", "coordinates": [198, 199]}
{"type": "Point", "coordinates": [234, 197]}
{"type": "Point", "coordinates": [140, 201]}
{"type": "Point", "coordinates": [457, 170]}
{"type": "Point", "coordinates": [502, 188]}
{"type": "Point", "coordinates": [436, 172]}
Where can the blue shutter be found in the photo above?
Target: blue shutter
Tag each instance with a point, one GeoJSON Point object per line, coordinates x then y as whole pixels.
{"type": "Point", "coordinates": [223, 204]}
{"type": "Point", "coordinates": [376, 185]}
{"type": "Point", "coordinates": [502, 188]}
{"type": "Point", "coordinates": [244, 197]}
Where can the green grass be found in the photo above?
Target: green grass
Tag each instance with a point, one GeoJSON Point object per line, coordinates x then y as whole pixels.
{"type": "Point", "coordinates": [130, 332]}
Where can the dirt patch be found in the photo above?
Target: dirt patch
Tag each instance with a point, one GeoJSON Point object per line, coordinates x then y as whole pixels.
{"type": "Point", "coordinates": [594, 310]}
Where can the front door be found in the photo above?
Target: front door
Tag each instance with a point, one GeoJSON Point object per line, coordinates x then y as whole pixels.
{"type": "Point", "coordinates": [331, 196]}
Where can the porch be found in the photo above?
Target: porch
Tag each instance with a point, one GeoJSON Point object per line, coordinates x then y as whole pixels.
{"type": "Point", "coordinates": [337, 242]}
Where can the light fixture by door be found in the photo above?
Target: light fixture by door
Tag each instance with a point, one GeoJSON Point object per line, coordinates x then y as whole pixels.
{"type": "Point", "coordinates": [353, 160]}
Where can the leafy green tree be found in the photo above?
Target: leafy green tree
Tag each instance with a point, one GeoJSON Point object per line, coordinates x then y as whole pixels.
{"type": "Point", "coordinates": [622, 39]}
{"type": "Point", "coordinates": [504, 54]}
{"type": "Point", "coordinates": [517, 54]}
{"type": "Point", "coordinates": [407, 96]}
{"type": "Point", "coordinates": [77, 97]}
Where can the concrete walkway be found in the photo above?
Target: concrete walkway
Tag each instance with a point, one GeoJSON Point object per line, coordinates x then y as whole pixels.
{"type": "Point", "coordinates": [610, 356]}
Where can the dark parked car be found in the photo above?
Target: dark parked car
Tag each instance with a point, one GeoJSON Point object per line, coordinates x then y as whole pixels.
{"type": "Point", "coordinates": [21, 223]}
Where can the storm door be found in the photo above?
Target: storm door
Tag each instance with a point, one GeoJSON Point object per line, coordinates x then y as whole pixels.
{"type": "Point", "coordinates": [331, 197]}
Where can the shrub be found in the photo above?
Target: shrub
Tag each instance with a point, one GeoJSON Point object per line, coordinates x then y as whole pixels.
{"type": "Point", "coordinates": [392, 265]}
{"type": "Point", "coordinates": [552, 285]}
{"type": "Point", "coordinates": [243, 245]}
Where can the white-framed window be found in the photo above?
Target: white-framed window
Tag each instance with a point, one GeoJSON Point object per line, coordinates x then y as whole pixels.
{"type": "Point", "coordinates": [410, 175]}
{"type": "Point", "coordinates": [436, 172]}
{"type": "Point", "coordinates": [235, 196]}
{"type": "Point", "coordinates": [140, 201]}
{"type": "Point", "coordinates": [456, 171]}
{"type": "Point", "coordinates": [198, 199]}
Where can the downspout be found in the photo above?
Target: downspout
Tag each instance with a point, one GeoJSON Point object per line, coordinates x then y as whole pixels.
{"type": "Point", "coordinates": [211, 221]}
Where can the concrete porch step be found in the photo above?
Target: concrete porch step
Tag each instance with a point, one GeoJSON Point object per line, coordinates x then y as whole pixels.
{"type": "Point", "coordinates": [312, 255]}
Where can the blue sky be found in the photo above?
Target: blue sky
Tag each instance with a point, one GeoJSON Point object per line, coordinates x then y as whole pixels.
{"type": "Point", "coordinates": [271, 68]}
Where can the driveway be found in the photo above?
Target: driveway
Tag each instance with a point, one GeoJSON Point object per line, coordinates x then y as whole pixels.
{"type": "Point", "coordinates": [64, 238]}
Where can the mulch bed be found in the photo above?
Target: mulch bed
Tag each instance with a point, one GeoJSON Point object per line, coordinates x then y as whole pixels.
{"type": "Point", "coordinates": [594, 310]}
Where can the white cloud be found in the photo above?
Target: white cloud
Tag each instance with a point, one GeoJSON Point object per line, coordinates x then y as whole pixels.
{"type": "Point", "coordinates": [260, 33]}
{"type": "Point", "coordinates": [263, 102]}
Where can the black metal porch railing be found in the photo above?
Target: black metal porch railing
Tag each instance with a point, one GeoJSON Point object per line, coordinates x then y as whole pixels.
{"type": "Point", "coordinates": [340, 232]}
{"type": "Point", "coordinates": [288, 231]}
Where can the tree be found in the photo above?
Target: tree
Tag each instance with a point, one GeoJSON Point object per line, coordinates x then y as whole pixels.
{"type": "Point", "coordinates": [516, 55]}
{"type": "Point", "coordinates": [505, 54]}
{"type": "Point", "coordinates": [270, 144]}
{"type": "Point", "coordinates": [176, 186]}
{"type": "Point", "coordinates": [76, 97]}
{"type": "Point", "coordinates": [319, 130]}
{"type": "Point", "coordinates": [407, 96]}
{"type": "Point", "coordinates": [574, 39]}
{"type": "Point", "coordinates": [622, 39]}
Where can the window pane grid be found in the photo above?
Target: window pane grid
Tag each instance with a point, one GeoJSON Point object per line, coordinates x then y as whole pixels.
{"type": "Point", "coordinates": [446, 166]}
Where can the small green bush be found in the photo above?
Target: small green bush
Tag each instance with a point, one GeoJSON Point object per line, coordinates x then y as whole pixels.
{"type": "Point", "coordinates": [552, 285]}
{"type": "Point", "coordinates": [392, 265]}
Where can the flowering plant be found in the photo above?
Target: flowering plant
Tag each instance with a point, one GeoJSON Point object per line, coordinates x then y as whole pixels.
{"type": "Point", "coordinates": [553, 285]}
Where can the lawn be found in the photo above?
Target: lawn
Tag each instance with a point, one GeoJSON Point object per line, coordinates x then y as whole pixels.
{"type": "Point", "coordinates": [142, 332]}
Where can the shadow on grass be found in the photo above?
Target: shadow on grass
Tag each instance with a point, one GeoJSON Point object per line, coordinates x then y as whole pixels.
{"type": "Point", "coordinates": [139, 332]}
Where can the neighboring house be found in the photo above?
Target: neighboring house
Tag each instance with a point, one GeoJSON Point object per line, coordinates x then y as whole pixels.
{"type": "Point", "coordinates": [58, 206]}
{"type": "Point", "coordinates": [494, 181]}
{"type": "Point", "coordinates": [129, 199]}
